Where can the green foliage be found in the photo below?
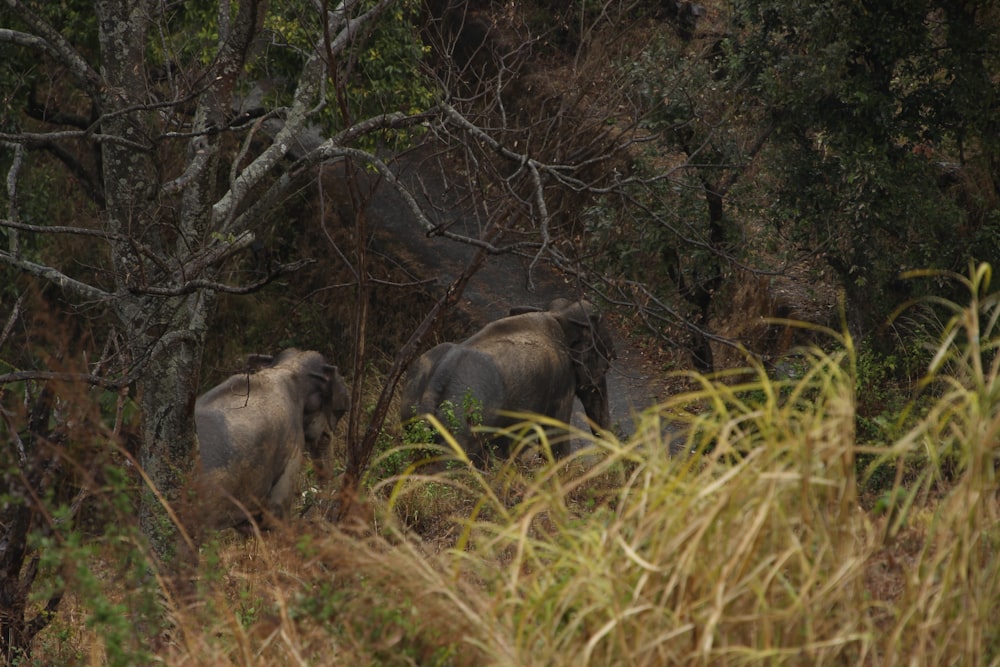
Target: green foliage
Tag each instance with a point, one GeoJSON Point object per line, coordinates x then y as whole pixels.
{"type": "Point", "coordinates": [419, 434]}
{"type": "Point", "coordinates": [65, 479]}
{"type": "Point", "coordinates": [382, 72]}
{"type": "Point", "coordinates": [418, 431]}
{"type": "Point", "coordinates": [21, 72]}
{"type": "Point", "coordinates": [672, 226]}
{"type": "Point", "coordinates": [391, 458]}
{"type": "Point", "coordinates": [421, 444]}
{"type": "Point", "coordinates": [964, 382]}
{"type": "Point", "coordinates": [882, 389]}
{"type": "Point", "coordinates": [74, 560]}
{"type": "Point", "coordinates": [680, 102]}
{"type": "Point", "coordinates": [464, 417]}
{"type": "Point", "coordinates": [850, 134]}
{"type": "Point", "coordinates": [861, 96]}
{"type": "Point", "coordinates": [189, 37]}
{"type": "Point", "coordinates": [472, 408]}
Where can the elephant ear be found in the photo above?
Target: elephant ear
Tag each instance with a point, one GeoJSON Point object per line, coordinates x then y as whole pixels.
{"type": "Point", "coordinates": [589, 341]}
{"type": "Point", "coordinates": [340, 396]}
{"type": "Point", "coordinates": [315, 383]}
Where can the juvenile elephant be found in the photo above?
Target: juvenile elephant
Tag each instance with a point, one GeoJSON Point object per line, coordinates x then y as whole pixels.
{"type": "Point", "coordinates": [253, 428]}
{"type": "Point", "coordinates": [532, 361]}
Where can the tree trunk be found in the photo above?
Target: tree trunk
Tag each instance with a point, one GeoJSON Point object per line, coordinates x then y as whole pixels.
{"type": "Point", "coordinates": [22, 472]}
{"type": "Point", "coordinates": [167, 392]}
{"type": "Point", "coordinates": [165, 333]}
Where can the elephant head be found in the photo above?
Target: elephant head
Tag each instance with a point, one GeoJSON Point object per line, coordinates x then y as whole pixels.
{"type": "Point", "coordinates": [592, 350]}
{"type": "Point", "coordinates": [326, 398]}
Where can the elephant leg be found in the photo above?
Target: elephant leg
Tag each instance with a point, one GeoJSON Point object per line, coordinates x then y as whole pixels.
{"type": "Point", "coordinates": [319, 454]}
{"type": "Point", "coordinates": [560, 442]}
{"type": "Point", "coordinates": [477, 452]}
{"type": "Point", "coordinates": [279, 500]}
{"type": "Point", "coordinates": [218, 502]}
{"type": "Point", "coordinates": [561, 448]}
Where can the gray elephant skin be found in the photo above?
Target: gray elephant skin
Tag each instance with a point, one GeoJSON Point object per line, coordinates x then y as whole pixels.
{"type": "Point", "coordinates": [532, 361]}
{"type": "Point", "coordinates": [253, 429]}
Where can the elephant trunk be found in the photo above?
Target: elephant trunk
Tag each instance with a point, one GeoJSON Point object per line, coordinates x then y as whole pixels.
{"type": "Point", "coordinates": [594, 398]}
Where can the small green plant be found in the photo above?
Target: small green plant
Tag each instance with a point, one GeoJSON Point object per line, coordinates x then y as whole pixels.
{"type": "Point", "coordinates": [421, 439]}
{"type": "Point", "coordinates": [418, 443]}
{"type": "Point", "coordinates": [449, 416]}
{"type": "Point", "coordinates": [418, 431]}
{"type": "Point", "coordinates": [75, 561]}
{"type": "Point", "coordinates": [472, 408]}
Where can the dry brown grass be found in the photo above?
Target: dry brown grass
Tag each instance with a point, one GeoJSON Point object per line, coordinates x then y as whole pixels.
{"type": "Point", "coordinates": [753, 550]}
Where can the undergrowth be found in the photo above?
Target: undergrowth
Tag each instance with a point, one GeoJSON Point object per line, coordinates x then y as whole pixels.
{"type": "Point", "coordinates": [752, 548]}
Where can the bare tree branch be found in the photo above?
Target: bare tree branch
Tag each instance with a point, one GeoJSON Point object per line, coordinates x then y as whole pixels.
{"type": "Point", "coordinates": [53, 43]}
{"type": "Point", "coordinates": [60, 229]}
{"type": "Point", "coordinates": [15, 313]}
{"type": "Point", "coordinates": [90, 134]}
{"type": "Point", "coordinates": [214, 256]}
{"type": "Point", "coordinates": [192, 286]}
{"type": "Point", "coordinates": [306, 102]}
{"type": "Point", "coordinates": [8, 36]}
{"type": "Point", "coordinates": [80, 289]}
{"type": "Point", "coordinates": [58, 376]}
{"type": "Point", "coordinates": [13, 198]}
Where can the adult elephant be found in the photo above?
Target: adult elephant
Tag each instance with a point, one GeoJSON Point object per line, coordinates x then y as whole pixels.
{"type": "Point", "coordinates": [253, 430]}
{"type": "Point", "coordinates": [532, 361]}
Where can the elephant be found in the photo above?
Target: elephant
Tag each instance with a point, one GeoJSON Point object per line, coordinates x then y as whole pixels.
{"type": "Point", "coordinates": [253, 429]}
{"type": "Point", "coordinates": [531, 361]}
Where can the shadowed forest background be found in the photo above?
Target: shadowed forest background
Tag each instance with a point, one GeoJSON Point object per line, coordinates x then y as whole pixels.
{"type": "Point", "coordinates": [786, 210]}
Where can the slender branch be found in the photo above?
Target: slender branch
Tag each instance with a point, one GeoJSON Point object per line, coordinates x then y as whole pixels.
{"type": "Point", "coordinates": [52, 42]}
{"type": "Point", "coordinates": [18, 38]}
{"type": "Point", "coordinates": [12, 196]}
{"type": "Point", "coordinates": [214, 256]}
{"type": "Point", "coordinates": [195, 169]}
{"type": "Point", "coordinates": [80, 231]}
{"type": "Point", "coordinates": [15, 313]}
{"type": "Point", "coordinates": [58, 376]}
{"type": "Point", "coordinates": [310, 84]}
{"type": "Point", "coordinates": [83, 290]}
{"type": "Point", "coordinates": [42, 138]}
{"type": "Point", "coordinates": [193, 267]}
{"type": "Point", "coordinates": [191, 286]}
{"type": "Point", "coordinates": [134, 373]}
{"type": "Point", "coordinates": [358, 457]}
{"type": "Point", "coordinates": [388, 121]}
{"type": "Point", "coordinates": [58, 229]}
{"type": "Point", "coordinates": [543, 213]}
{"type": "Point", "coordinates": [330, 151]}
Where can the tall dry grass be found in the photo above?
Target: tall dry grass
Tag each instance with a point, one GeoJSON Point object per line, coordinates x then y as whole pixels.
{"type": "Point", "coordinates": [754, 549]}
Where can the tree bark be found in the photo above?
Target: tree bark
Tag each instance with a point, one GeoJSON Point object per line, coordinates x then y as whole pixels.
{"type": "Point", "coordinates": [17, 518]}
{"type": "Point", "coordinates": [165, 335]}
